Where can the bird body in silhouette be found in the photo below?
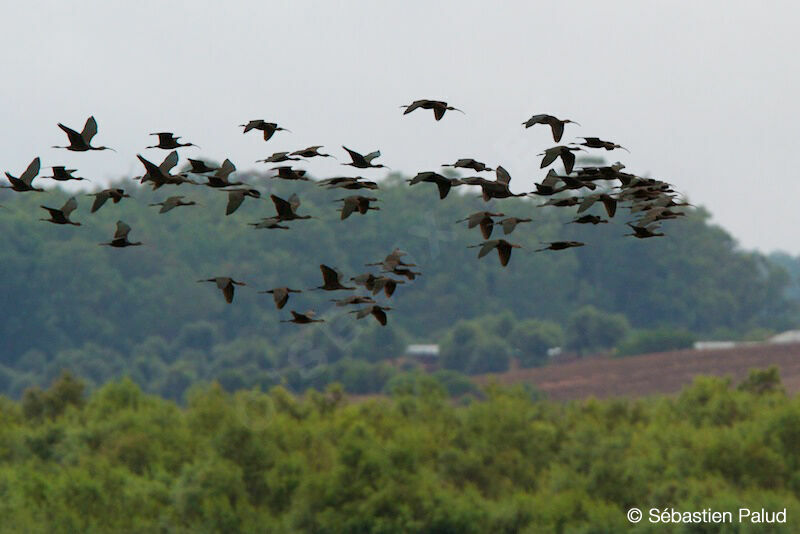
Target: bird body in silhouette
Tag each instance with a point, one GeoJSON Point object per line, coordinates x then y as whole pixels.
{"type": "Point", "coordinates": [311, 152]}
{"type": "Point", "coordinates": [609, 203]}
{"type": "Point", "coordinates": [484, 220]}
{"type": "Point", "coordinates": [168, 141]}
{"type": "Point", "coordinates": [303, 318]}
{"type": "Point", "coordinates": [556, 125]}
{"type": "Point", "coordinates": [226, 285]}
{"type": "Point", "coordinates": [25, 181]}
{"type": "Point", "coordinates": [346, 182]}
{"type": "Point", "coordinates": [281, 295]}
{"type": "Point", "coordinates": [363, 162]}
{"type": "Point", "coordinates": [121, 237]}
{"type": "Point", "coordinates": [101, 197]}
{"type": "Point", "coordinates": [82, 142]}
{"type": "Point", "coordinates": [62, 174]}
{"type": "Point", "coordinates": [379, 312]}
{"type": "Point", "coordinates": [588, 219]}
{"type": "Point", "coordinates": [287, 210]}
{"type": "Point", "coordinates": [200, 166]}
{"type": "Point", "coordinates": [469, 163]}
{"type": "Point", "coordinates": [160, 175]}
{"type": "Point", "coordinates": [270, 223]}
{"type": "Point", "coordinates": [331, 279]}
{"type": "Point", "coordinates": [644, 232]}
{"type": "Point", "coordinates": [596, 142]}
{"type": "Point", "coordinates": [61, 216]}
{"type": "Point", "coordinates": [286, 172]}
{"type": "Point", "coordinates": [268, 128]}
{"type": "Point", "coordinates": [490, 189]}
{"type": "Point", "coordinates": [560, 245]}
{"type": "Point", "coordinates": [173, 202]}
{"type": "Point", "coordinates": [353, 300]}
{"type": "Point", "coordinates": [510, 223]}
{"type": "Point", "coordinates": [503, 249]}
{"type": "Point", "coordinates": [439, 107]}
{"type": "Point", "coordinates": [393, 260]}
{"type": "Point", "coordinates": [356, 203]}
{"type": "Point", "coordinates": [560, 151]}
{"type": "Point", "coordinates": [278, 157]}
{"type": "Point", "coordinates": [237, 196]}
{"type": "Point", "coordinates": [442, 182]}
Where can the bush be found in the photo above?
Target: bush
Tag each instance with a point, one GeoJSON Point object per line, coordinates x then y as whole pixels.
{"type": "Point", "coordinates": [592, 330]}
{"type": "Point", "coordinates": [531, 339]}
{"type": "Point", "coordinates": [656, 340]}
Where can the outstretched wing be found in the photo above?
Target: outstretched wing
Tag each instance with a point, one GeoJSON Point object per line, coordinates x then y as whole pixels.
{"type": "Point", "coordinates": [99, 199]}
{"type": "Point", "coordinates": [283, 208]}
{"type": "Point", "coordinates": [329, 275]}
{"type": "Point", "coordinates": [31, 172]}
{"type": "Point", "coordinates": [169, 162]}
{"type": "Point", "coordinates": [235, 199]}
{"type": "Point", "coordinates": [122, 230]}
{"type": "Point", "coordinates": [372, 155]}
{"type": "Point", "coordinates": [502, 175]}
{"type": "Point", "coordinates": [89, 130]}
{"type": "Point", "coordinates": [487, 247]}
{"type": "Point", "coordinates": [69, 206]}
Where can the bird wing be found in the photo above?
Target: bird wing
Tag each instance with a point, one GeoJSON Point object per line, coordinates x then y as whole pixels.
{"type": "Point", "coordinates": [438, 113]}
{"type": "Point", "coordinates": [164, 138]}
{"type": "Point", "coordinates": [504, 252]}
{"type": "Point", "coordinates": [225, 169]}
{"type": "Point", "coordinates": [535, 119]}
{"type": "Point", "coordinates": [280, 295]}
{"type": "Point", "coordinates": [73, 136]}
{"type": "Point", "coordinates": [122, 230]}
{"type": "Point", "coordinates": [414, 105]}
{"type": "Point", "coordinates": [283, 208]}
{"type": "Point", "coordinates": [549, 157]}
{"type": "Point", "coordinates": [329, 276]}
{"type": "Point", "coordinates": [502, 175]}
{"type": "Point", "coordinates": [69, 206]}
{"type": "Point", "coordinates": [558, 129]}
{"type": "Point", "coordinates": [294, 201]}
{"type": "Point", "coordinates": [99, 199]}
{"type": "Point", "coordinates": [54, 213]}
{"type": "Point", "coordinates": [227, 291]}
{"type": "Point", "coordinates": [31, 172]}
{"type": "Point", "coordinates": [350, 205]}
{"type": "Point", "coordinates": [89, 130]}
{"type": "Point", "coordinates": [508, 225]}
{"type": "Point", "coordinates": [355, 156]}
{"type": "Point", "coordinates": [610, 203]}
{"type": "Point", "coordinates": [372, 155]}
{"type": "Point", "coordinates": [486, 224]}
{"type": "Point", "coordinates": [568, 158]}
{"type": "Point", "coordinates": [235, 199]}
{"type": "Point", "coordinates": [444, 187]}
{"type": "Point", "coordinates": [169, 162]}
{"type": "Point", "coordinates": [379, 314]}
{"type": "Point", "coordinates": [487, 247]}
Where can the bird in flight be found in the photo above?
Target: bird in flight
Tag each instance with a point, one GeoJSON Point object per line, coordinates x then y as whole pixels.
{"type": "Point", "coordinates": [61, 216]}
{"type": "Point", "coordinates": [281, 295]}
{"type": "Point", "coordinates": [439, 107]}
{"type": "Point", "coordinates": [596, 142]}
{"type": "Point", "coordinates": [25, 181]}
{"type": "Point", "coordinates": [226, 285]}
{"type": "Point", "coordinates": [556, 125]}
{"type": "Point", "coordinates": [379, 312]}
{"type": "Point", "coordinates": [269, 128]}
{"type": "Point", "coordinates": [121, 237]}
{"type": "Point", "coordinates": [173, 202]}
{"type": "Point", "coordinates": [303, 318]}
{"type": "Point", "coordinates": [168, 141]}
{"type": "Point", "coordinates": [363, 162]}
{"type": "Point", "coordinates": [503, 249]}
{"type": "Point", "coordinates": [62, 174]}
{"type": "Point", "coordinates": [81, 142]}
{"type": "Point", "coordinates": [101, 197]}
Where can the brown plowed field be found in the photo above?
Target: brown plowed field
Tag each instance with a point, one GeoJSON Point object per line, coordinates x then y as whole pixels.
{"type": "Point", "coordinates": [650, 374]}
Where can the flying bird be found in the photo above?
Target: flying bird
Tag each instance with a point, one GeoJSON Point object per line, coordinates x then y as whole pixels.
{"type": "Point", "coordinates": [346, 182]}
{"type": "Point", "coordinates": [200, 166]}
{"type": "Point", "coordinates": [81, 142]}
{"type": "Point", "coordinates": [379, 312]}
{"type": "Point", "coordinates": [168, 141]}
{"type": "Point", "coordinates": [25, 181]}
{"type": "Point", "coordinates": [469, 163]}
{"type": "Point", "coordinates": [556, 125]}
{"type": "Point", "coordinates": [503, 249]}
{"type": "Point", "coordinates": [121, 237]}
{"type": "Point", "coordinates": [442, 182]}
{"type": "Point", "coordinates": [596, 142]}
{"type": "Point", "coordinates": [269, 128]}
{"type": "Point", "coordinates": [331, 279]}
{"type": "Point", "coordinates": [356, 203]}
{"type": "Point", "coordinates": [173, 202]}
{"type": "Point", "coordinates": [101, 197]}
{"type": "Point", "coordinates": [560, 151]}
{"type": "Point", "coordinates": [353, 299]}
{"type": "Point", "coordinates": [311, 152]}
{"type": "Point", "coordinates": [287, 209]}
{"type": "Point", "coordinates": [588, 219]}
{"type": "Point", "coordinates": [226, 285]}
{"type": "Point", "coordinates": [61, 216]}
{"type": "Point", "coordinates": [237, 196]}
{"type": "Point", "coordinates": [483, 219]}
{"type": "Point", "coordinates": [286, 172]}
{"type": "Point", "coordinates": [278, 157]}
{"type": "Point", "coordinates": [281, 295]}
{"type": "Point", "coordinates": [271, 223]}
{"type": "Point", "coordinates": [62, 174]}
{"type": "Point", "coordinates": [439, 108]}
{"type": "Point", "coordinates": [363, 162]}
{"type": "Point", "coordinates": [303, 318]}
{"type": "Point", "coordinates": [560, 245]}
{"type": "Point", "coordinates": [510, 223]}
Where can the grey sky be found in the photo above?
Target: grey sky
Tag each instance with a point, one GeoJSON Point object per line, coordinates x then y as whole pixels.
{"type": "Point", "coordinates": [704, 94]}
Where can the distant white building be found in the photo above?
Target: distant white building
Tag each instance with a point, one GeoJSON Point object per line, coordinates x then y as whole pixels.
{"type": "Point", "coordinates": [417, 351]}
{"type": "Point", "coordinates": [790, 336]}
{"type": "Point", "coordinates": [713, 345]}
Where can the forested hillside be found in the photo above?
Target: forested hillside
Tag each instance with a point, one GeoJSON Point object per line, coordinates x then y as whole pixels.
{"type": "Point", "coordinates": [105, 313]}
{"type": "Point", "coordinates": [123, 461]}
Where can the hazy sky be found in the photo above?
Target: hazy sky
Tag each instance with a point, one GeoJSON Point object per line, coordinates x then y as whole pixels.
{"type": "Point", "coordinates": [704, 94]}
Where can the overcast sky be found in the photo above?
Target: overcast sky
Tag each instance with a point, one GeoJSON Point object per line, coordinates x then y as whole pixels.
{"type": "Point", "coordinates": [704, 94]}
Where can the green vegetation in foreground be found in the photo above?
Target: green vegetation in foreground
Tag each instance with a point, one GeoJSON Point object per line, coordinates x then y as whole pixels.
{"type": "Point", "coordinates": [125, 461]}
{"type": "Point", "coordinates": [104, 314]}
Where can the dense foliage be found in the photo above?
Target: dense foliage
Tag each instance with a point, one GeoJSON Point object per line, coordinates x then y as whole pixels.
{"type": "Point", "coordinates": [124, 461]}
{"type": "Point", "coordinates": [138, 312]}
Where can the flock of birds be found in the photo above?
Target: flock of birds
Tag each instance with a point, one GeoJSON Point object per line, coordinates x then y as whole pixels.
{"type": "Point", "coordinates": [652, 200]}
